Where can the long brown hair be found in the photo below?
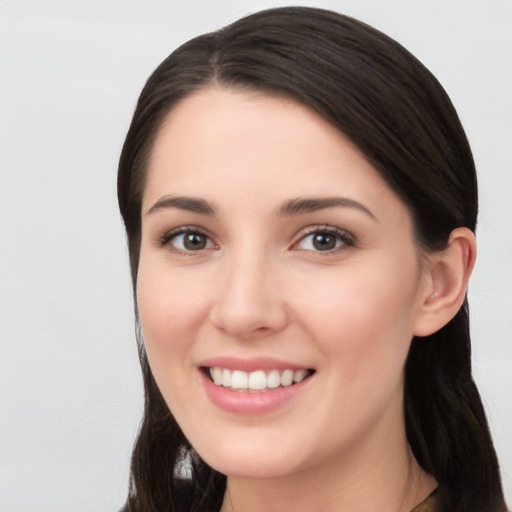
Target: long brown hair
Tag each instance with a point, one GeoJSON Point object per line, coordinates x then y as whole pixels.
{"type": "Point", "coordinates": [395, 111]}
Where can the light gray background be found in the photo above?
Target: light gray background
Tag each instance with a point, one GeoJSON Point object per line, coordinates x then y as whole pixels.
{"type": "Point", "coordinates": [70, 73]}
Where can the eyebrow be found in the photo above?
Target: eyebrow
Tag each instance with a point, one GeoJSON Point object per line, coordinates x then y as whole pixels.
{"type": "Point", "coordinates": [189, 204]}
{"type": "Point", "coordinates": [292, 207]}
{"type": "Point", "coordinates": [307, 205]}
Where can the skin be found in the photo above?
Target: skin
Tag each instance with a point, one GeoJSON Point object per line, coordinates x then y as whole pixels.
{"type": "Point", "coordinates": [259, 287]}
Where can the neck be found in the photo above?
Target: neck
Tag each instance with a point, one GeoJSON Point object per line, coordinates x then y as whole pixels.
{"type": "Point", "coordinates": [381, 474]}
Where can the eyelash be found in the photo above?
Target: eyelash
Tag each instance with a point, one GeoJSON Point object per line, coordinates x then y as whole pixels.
{"type": "Point", "coordinates": [347, 240]}
{"type": "Point", "coordinates": [167, 238]}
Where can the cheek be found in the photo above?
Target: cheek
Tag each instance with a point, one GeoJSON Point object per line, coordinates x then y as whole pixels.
{"type": "Point", "coordinates": [157, 309]}
{"type": "Point", "coordinates": [363, 317]}
{"type": "Point", "coordinates": [363, 327]}
{"type": "Point", "coordinates": [169, 310]}
{"type": "Point", "coordinates": [168, 299]}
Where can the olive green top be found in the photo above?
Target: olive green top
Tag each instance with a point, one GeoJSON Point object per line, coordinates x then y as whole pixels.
{"type": "Point", "coordinates": [430, 504]}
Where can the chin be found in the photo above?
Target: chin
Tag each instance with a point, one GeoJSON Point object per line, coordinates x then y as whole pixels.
{"type": "Point", "coordinates": [251, 469]}
{"type": "Point", "coordinates": [251, 461]}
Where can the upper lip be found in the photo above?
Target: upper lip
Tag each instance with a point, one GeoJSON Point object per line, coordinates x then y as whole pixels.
{"type": "Point", "coordinates": [251, 365]}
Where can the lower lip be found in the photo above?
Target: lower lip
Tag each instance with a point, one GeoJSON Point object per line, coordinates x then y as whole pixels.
{"type": "Point", "coordinates": [262, 402]}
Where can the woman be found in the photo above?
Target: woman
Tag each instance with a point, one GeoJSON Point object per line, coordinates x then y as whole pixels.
{"type": "Point", "coordinates": [300, 201]}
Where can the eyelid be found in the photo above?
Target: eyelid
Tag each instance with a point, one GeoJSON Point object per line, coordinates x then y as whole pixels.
{"type": "Point", "coordinates": [168, 236]}
{"type": "Point", "coordinates": [347, 238]}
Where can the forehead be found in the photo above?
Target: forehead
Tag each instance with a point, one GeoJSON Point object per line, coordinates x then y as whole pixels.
{"type": "Point", "coordinates": [224, 144]}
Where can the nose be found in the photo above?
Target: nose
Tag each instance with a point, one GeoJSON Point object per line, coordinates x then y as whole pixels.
{"type": "Point", "coordinates": [249, 302]}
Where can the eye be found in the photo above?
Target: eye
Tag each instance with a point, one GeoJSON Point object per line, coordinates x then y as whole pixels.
{"type": "Point", "coordinates": [187, 240]}
{"type": "Point", "coordinates": [324, 240]}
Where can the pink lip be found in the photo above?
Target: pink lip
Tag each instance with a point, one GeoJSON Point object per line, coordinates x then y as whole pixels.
{"type": "Point", "coordinates": [250, 365]}
{"type": "Point", "coordinates": [250, 403]}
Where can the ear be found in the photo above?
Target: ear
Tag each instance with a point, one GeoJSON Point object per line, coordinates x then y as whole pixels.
{"type": "Point", "coordinates": [446, 282]}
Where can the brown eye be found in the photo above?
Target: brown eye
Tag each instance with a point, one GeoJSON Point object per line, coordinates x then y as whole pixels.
{"type": "Point", "coordinates": [188, 241]}
{"type": "Point", "coordinates": [325, 241]}
{"type": "Point", "coordinates": [194, 241]}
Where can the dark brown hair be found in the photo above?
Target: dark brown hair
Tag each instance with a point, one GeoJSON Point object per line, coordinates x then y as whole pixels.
{"type": "Point", "coordinates": [395, 111]}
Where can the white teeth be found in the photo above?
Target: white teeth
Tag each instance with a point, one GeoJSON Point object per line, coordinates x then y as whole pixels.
{"type": "Point", "coordinates": [217, 375]}
{"type": "Point", "coordinates": [257, 380]}
{"type": "Point", "coordinates": [287, 378]}
{"type": "Point", "coordinates": [226, 378]}
{"type": "Point", "coordinates": [239, 379]}
{"type": "Point", "coordinates": [299, 375]}
{"type": "Point", "coordinates": [273, 379]}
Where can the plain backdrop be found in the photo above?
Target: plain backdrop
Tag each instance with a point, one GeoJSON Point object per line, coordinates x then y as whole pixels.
{"type": "Point", "coordinates": [70, 73]}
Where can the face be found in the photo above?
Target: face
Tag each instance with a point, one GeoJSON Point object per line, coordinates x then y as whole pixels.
{"type": "Point", "coordinates": [278, 287]}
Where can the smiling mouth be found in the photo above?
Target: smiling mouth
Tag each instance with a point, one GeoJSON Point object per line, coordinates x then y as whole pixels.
{"type": "Point", "coordinates": [257, 381]}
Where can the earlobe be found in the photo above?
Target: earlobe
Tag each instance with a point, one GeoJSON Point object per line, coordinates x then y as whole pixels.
{"type": "Point", "coordinates": [448, 276]}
